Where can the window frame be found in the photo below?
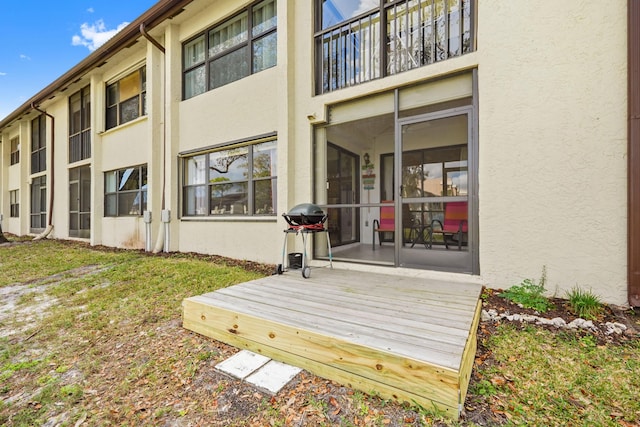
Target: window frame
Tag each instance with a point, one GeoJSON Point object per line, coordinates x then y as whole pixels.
{"type": "Point", "coordinates": [252, 39]}
{"type": "Point", "coordinates": [15, 150]}
{"type": "Point", "coordinates": [141, 192]}
{"type": "Point", "coordinates": [14, 203]}
{"type": "Point", "coordinates": [38, 209]}
{"type": "Point", "coordinates": [117, 105]}
{"type": "Point", "coordinates": [39, 144]}
{"type": "Point", "coordinates": [206, 185]}
{"type": "Point", "coordinates": [80, 138]}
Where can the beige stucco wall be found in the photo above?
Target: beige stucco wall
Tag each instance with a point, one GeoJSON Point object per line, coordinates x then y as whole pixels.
{"type": "Point", "coordinates": [552, 135]}
{"type": "Point", "coordinates": [243, 109]}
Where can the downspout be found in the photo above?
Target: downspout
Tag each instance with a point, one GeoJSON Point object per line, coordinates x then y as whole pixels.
{"type": "Point", "coordinates": [633, 155]}
{"type": "Point", "coordinates": [165, 217]}
{"type": "Point", "coordinates": [49, 228]}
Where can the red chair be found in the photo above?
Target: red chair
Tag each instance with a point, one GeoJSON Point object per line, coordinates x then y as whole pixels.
{"type": "Point", "coordinates": [386, 224]}
{"type": "Point", "coordinates": [455, 224]}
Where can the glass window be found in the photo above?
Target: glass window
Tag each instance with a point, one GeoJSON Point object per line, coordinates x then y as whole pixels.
{"type": "Point", "coordinates": [38, 144]}
{"type": "Point", "coordinates": [126, 191]}
{"type": "Point", "coordinates": [229, 68]}
{"type": "Point", "coordinates": [80, 125]}
{"type": "Point", "coordinates": [231, 33]}
{"type": "Point", "coordinates": [337, 11]}
{"type": "Point", "coordinates": [265, 53]}
{"type": "Point", "coordinates": [126, 99]}
{"type": "Point", "coordinates": [193, 52]}
{"type": "Point", "coordinates": [15, 150]}
{"type": "Point", "coordinates": [234, 50]}
{"type": "Point", "coordinates": [38, 203]}
{"type": "Point", "coordinates": [14, 203]}
{"type": "Point", "coordinates": [264, 176]}
{"type": "Point", "coordinates": [233, 181]}
{"type": "Point", "coordinates": [265, 17]}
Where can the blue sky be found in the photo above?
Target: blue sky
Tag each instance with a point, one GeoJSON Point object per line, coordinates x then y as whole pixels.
{"type": "Point", "coordinates": [41, 40]}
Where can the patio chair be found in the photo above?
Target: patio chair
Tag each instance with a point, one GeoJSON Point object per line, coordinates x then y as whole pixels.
{"type": "Point", "coordinates": [455, 225]}
{"type": "Point", "coordinates": [386, 224]}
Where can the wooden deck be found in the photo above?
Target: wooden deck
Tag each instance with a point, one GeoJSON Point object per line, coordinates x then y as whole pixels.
{"type": "Point", "coordinates": [407, 338]}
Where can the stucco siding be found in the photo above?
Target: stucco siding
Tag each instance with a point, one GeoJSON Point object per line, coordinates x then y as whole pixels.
{"type": "Point", "coordinates": [125, 146]}
{"type": "Point", "coordinates": [238, 110]}
{"type": "Point", "coordinates": [257, 241]}
{"type": "Point", "coordinates": [552, 136]}
{"type": "Point", "coordinates": [125, 232]}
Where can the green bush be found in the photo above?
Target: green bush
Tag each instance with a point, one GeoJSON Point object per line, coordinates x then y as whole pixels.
{"type": "Point", "coordinates": [530, 294]}
{"type": "Point", "coordinates": [584, 303]}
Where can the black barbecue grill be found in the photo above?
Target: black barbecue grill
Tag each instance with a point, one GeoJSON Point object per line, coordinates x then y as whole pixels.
{"type": "Point", "coordinates": [305, 218]}
{"type": "Point", "coordinates": [305, 214]}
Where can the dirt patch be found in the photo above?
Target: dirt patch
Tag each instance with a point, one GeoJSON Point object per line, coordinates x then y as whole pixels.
{"type": "Point", "coordinates": [28, 302]}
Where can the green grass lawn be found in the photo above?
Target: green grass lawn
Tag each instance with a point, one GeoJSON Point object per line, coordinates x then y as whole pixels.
{"type": "Point", "coordinates": [94, 337]}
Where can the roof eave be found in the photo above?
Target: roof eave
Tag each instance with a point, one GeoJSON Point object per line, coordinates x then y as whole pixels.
{"type": "Point", "coordinates": [164, 9]}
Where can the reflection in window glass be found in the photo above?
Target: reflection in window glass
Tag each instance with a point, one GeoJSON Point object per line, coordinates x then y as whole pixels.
{"type": "Point", "coordinates": [264, 17]}
{"type": "Point", "coordinates": [231, 165]}
{"type": "Point", "coordinates": [126, 99]}
{"type": "Point", "coordinates": [229, 68]}
{"type": "Point", "coordinates": [435, 172]}
{"type": "Point", "coordinates": [235, 51]}
{"type": "Point", "coordinates": [236, 181]}
{"type": "Point", "coordinates": [126, 191]}
{"type": "Point", "coordinates": [336, 11]}
{"type": "Point", "coordinates": [264, 160]}
{"type": "Point", "coordinates": [194, 52]}
{"type": "Point", "coordinates": [196, 170]}
{"type": "Point", "coordinates": [195, 82]}
{"type": "Point", "coordinates": [228, 35]}
{"type": "Point", "coordinates": [265, 52]}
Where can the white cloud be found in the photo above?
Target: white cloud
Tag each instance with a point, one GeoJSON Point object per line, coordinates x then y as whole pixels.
{"type": "Point", "coordinates": [25, 57]}
{"type": "Point", "coordinates": [90, 10]}
{"type": "Point", "coordinates": [95, 35]}
{"type": "Point", "coordinates": [2, 74]}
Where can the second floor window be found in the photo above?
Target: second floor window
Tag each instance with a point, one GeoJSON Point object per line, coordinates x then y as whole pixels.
{"type": "Point", "coordinates": [38, 144]}
{"type": "Point", "coordinates": [242, 45]}
{"type": "Point", "coordinates": [15, 150]}
{"type": "Point", "coordinates": [80, 125]}
{"type": "Point", "coordinates": [127, 98]}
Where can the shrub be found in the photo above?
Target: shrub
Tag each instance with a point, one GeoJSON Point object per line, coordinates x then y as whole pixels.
{"type": "Point", "coordinates": [584, 303]}
{"type": "Point", "coordinates": [530, 294]}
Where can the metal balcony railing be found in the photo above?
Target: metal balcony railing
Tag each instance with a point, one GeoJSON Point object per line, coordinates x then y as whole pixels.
{"type": "Point", "coordinates": [396, 37]}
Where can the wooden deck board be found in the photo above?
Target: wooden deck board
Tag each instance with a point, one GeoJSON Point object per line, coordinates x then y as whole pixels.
{"type": "Point", "coordinates": [439, 352]}
{"type": "Point", "coordinates": [355, 309]}
{"type": "Point", "coordinates": [407, 338]}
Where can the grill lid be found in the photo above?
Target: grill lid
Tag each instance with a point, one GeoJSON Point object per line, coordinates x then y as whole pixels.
{"type": "Point", "coordinates": [306, 209]}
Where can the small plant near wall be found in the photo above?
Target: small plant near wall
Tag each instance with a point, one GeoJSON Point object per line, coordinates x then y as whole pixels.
{"type": "Point", "coordinates": [530, 294]}
{"type": "Point", "coordinates": [584, 304]}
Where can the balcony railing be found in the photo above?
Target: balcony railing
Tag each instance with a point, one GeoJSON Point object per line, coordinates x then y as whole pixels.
{"type": "Point", "coordinates": [399, 36]}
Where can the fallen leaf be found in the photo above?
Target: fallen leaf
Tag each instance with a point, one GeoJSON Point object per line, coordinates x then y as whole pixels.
{"type": "Point", "coordinates": [498, 381]}
{"type": "Point", "coordinates": [334, 402]}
